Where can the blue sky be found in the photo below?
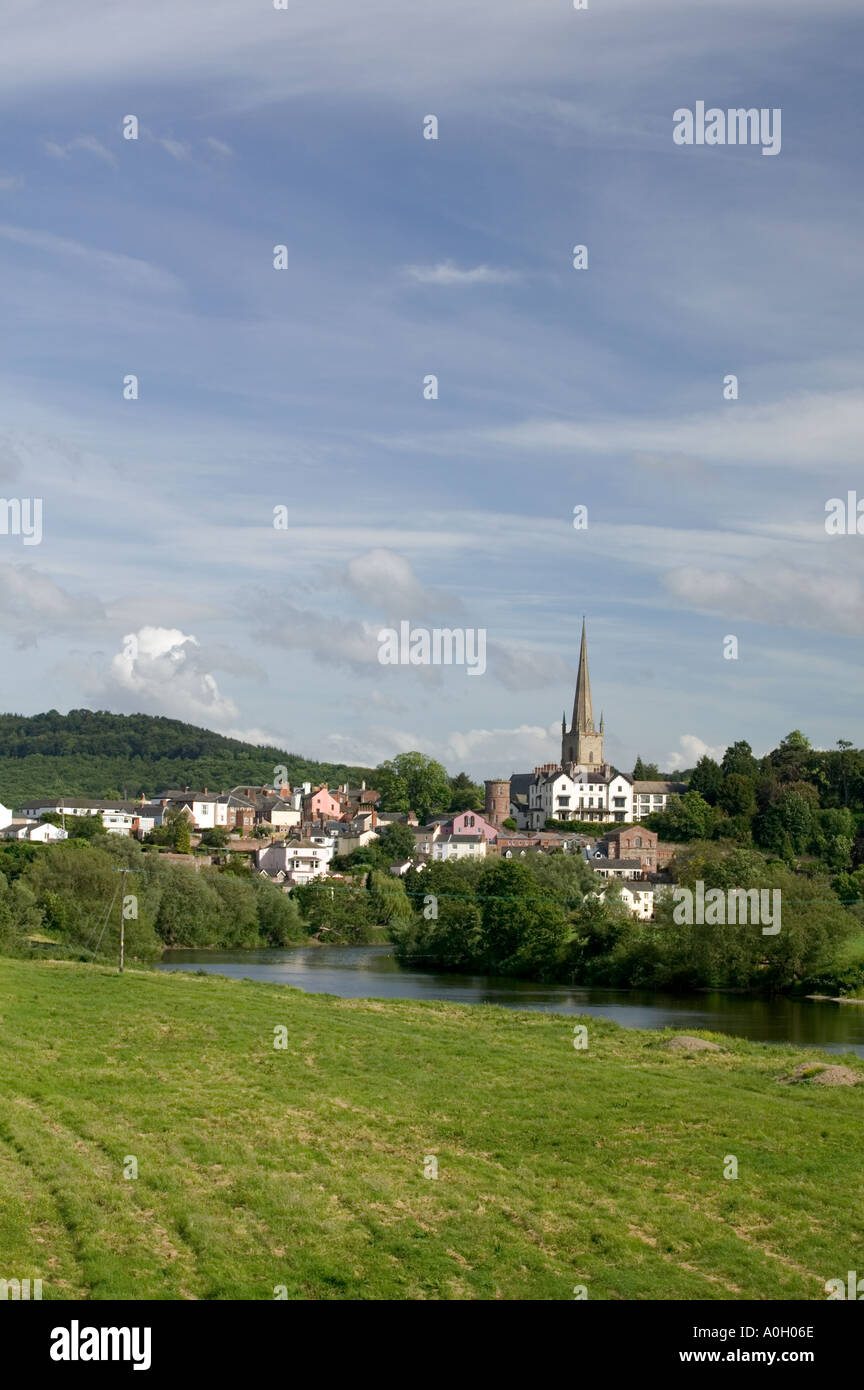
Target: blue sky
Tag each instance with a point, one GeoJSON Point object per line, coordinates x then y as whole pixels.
{"type": "Point", "coordinates": [557, 387]}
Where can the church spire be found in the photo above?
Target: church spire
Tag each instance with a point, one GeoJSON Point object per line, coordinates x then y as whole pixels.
{"type": "Point", "coordinates": [583, 715]}
{"type": "Point", "coordinates": [582, 743]}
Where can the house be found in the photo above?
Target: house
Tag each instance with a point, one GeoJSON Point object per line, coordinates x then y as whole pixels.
{"type": "Point", "coordinates": [5, 816]}
{"type": "Point", "coordinates": [206, 809]}
{"type": "Point", "coordinates": [277, 811]}
{"type": "Point", "coordinates": [209, 810]}
{"type": "Point", "coordinates": [40, 832]}
{"type": "Point", "coordinates": [425, 836]}
{"type": "Point", "coordinates": [463, 846]}
{"type": "Point", "coordinates": [294, 861]}
{"type": "Point", "coordinates": [471, 823]}
{"type": "Point", "coordinates": [118, 817]}
{"type": "Point", "coordinates": [649, 797]}
{"type": "Point", "coordinates": [612, 868]}
{"type": "Point", "coordinates": [638, 898]}
{"type": "Point", "coordinates": [637, 842]}
{"type": "Point", "coordinates": [320, 805]}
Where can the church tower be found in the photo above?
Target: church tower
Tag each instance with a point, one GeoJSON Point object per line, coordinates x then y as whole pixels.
{"type": "Point", "coordinates": [582, 744]}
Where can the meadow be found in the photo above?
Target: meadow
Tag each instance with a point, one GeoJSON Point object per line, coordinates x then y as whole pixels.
{"type": "Point", "coordinates": [304, 1170]}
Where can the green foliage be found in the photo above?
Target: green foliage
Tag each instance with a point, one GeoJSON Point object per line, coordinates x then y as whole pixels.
{"type": "Point", "coordinates": [465, 794]}
{"type": "Point", "coordinates": [706, 779]}
{"type": "Point", "coordinates": [687, 817]}
{"type": "Point", "coordinates": [336, 912]}
{"type": "Point", "coordinates": [216, 838]}
{"type": "Point", "coordinates": [413, 782]}
{"type": "Point", "coordinates": [645, 772]}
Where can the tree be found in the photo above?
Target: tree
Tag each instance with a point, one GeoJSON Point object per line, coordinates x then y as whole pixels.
{"type": "Point", "coordinates": [465, 794]}
{"type": "Point", "coordinates": [687, 817]}
{"type": "Point", "coordinates": [738, 758]}
{"type": "Point", "coordinates": [523, 929]}
{"type": "Point", "coordinates": [737, 795]}
{"type": "Point", "coordinates": [84, 827]}
{"type": "Point", "coordinates": [509, 824]}
{"type": "Point", "coordinates": [706, 779]}
{"type": "Point", "coordinates": [396, 843]}
{"type": "Point", "coordinates": [181, 839]}
{"type": "Point", "coordinates": [413, 782]}
{"type": "Point", "coordinates": [217, 838]}
{"type": "Point", "coordinates": [645, 772]}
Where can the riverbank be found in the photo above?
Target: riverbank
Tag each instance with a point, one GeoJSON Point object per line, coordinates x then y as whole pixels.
{"type": "Point", "coordinates": [374, 972]}
{"type": "Point", "coordinates": [304, 1166]}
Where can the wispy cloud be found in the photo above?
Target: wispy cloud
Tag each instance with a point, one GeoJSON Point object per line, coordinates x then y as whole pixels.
{"type": "Point", "coordinates": [447, 274]}
{"type": "Point", "coordinates": [88, 143]}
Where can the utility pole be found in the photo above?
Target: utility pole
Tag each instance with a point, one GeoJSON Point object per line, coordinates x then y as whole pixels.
{"type": "Point", "coordinates": [122, 918]}
{"type": "Point", "coordinates": [124, 871]}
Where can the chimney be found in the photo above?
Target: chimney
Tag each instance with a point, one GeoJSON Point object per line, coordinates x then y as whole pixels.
{"type": "Point", "coordinates": [205, 791]}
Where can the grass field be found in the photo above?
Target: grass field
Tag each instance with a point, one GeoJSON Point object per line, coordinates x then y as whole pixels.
{"type": "Point", "coordinates": [304, 1167]}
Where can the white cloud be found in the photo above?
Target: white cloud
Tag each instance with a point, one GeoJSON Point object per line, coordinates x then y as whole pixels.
{"type": "Point", "coordinates": [81, 142]}
{"type": "Point", "coordinates": [692, 749]}
{"type": "Point", "coordinates": [158, 671]}
{"type": "Point", "coordinates": [520, 749]}
{"type": "Point", "coordinates": [800, 431]}
{"type": "Point", "coordinates": [387, 582]}
{"type": "Point", "coordinates": [446, 273]}
{"type": "Point", "coordinates": [35, 606]}
{"type": "Point", "coordinates": [776, 594]}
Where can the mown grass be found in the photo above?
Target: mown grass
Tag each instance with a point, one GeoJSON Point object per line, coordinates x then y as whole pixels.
{"type": "Point", "coordinates": [304, 1168]}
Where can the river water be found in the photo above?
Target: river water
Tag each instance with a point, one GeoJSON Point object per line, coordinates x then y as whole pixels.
{"type": "Point", "coordinates": [372, 972]}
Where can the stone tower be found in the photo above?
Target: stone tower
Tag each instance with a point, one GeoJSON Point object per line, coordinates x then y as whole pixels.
{"type": "Point", "coordinates": [582, 744]}
{"type": "Point", "coordinates": [497, 801]}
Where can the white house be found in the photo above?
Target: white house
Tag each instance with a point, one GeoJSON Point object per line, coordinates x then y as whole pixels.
{"type": "Point", "coordinates": [459, 847]}
{"type": "Point", "coordinates": [6, 816]}
{"type": "Point", "coordinates": [654, 796]}
{"type": "Point", "coordinates": [42, 832]}
{"type": "Point", "coordinates": [585, 794]}
{"type": "Point", "coordinates": [118, 817]}
{"type": "Point", "coordinates": [295, 861]}
{"type": "Point", "coordinates": [637, 897]}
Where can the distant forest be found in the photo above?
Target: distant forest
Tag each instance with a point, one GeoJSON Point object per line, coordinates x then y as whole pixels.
{"type": "Point", "coordinates": [94, 753]}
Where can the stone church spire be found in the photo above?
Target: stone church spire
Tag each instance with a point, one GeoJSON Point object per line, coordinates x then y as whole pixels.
{"type": "Point", "coordinates": [582, 743]}
{"type": "Point", "coordinates": [583, 715]}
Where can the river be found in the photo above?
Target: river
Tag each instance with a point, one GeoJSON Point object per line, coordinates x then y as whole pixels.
{"type": "Point", "coordinates": [372, 972]}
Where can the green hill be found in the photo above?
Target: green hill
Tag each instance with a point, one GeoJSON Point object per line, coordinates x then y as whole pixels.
{"type": "Point", "coordinates": [94, 753]}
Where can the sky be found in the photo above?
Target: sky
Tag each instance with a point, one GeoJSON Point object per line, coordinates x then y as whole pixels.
{"type": "Point", "coordinates": [161, 584]}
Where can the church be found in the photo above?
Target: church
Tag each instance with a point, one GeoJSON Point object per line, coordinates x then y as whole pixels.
{"type": "Point", "coordinates": [582, 786]}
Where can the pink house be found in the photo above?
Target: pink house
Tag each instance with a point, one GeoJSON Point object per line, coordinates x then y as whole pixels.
{"type": "Point", "coordinates": [472, 823]}
{"type": "Point", "coordinates": [320, 805]}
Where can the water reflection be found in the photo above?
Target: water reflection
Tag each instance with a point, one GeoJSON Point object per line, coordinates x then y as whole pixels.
{"type": "Point", "coordinates": [361, 972]}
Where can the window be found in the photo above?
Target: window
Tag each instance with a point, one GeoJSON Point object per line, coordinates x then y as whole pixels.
{"type": "Point", "coordinates": [638, 842]}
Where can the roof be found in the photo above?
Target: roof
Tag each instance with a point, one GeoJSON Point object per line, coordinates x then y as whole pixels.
{"type": "Point", "coordinates": [69, 804]}
{"type": "Point", "coordinates": [675, 787]}
{"type": "Point", "coordinates": [519, 784]}
{"type": "Point", "coordinates": [460, 840]}
{"type": "Point", "coordinates": [614, 863]}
